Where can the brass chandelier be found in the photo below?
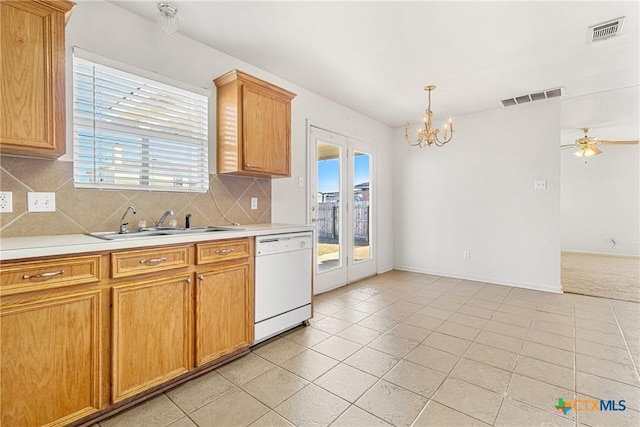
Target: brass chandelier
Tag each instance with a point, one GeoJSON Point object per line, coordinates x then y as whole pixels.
{"type": "Point", "coordinates": [428, 135]}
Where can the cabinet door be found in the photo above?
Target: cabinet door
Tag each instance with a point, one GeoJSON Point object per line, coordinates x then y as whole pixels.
{"type": "Point", "coordinates": [151, 334]}
{"type": "Point", "coordinates": [224, 311]}
{"type": "Point", "coordinates": [51, 360]}
{"type": "Point", "coordinates": [266, 121]}
{"type": "Point", "coordinates": [32, 78]}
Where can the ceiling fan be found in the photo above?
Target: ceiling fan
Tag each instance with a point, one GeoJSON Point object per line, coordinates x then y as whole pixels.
{"type": "Point", "coordinates": [587, 145]}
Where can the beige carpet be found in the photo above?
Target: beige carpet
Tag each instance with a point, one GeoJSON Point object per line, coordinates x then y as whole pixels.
{"type": "Point", "coordinates": [608, 276]}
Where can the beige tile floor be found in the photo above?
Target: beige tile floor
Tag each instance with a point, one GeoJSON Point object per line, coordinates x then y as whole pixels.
{"type": "Point", "coordinates": [411, 349]}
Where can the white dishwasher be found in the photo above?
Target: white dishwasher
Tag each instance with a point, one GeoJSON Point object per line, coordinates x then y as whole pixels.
{"type": "Point", "coordinates": [283, 274]}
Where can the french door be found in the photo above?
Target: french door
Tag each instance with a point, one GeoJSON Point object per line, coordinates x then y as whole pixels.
{"type": "Point", "coordinates": [341, 205]}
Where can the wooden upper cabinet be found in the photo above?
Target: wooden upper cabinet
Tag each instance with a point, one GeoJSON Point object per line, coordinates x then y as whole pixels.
{"type": "Point", "coordinates": [254, 126]}
{"type": "Point", "coordinates": [32, 79]}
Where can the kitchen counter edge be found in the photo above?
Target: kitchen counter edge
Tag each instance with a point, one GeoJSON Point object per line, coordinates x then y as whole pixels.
{"type": "Point", "coordinates": [15, 248]}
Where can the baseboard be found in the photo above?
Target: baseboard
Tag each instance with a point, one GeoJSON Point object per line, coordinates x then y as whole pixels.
{"type": "Point", "coordinates": [601, 254]}
{"type": "Point", "coordinates": [556, 290]}
{"type": "Point", "coordinates": [385, 269]}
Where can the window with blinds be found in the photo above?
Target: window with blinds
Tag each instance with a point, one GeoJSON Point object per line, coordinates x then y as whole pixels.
{"type": "Point", "coordinates": [131, 132]}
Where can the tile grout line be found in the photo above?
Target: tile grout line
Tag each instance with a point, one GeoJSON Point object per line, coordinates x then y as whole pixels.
{"type": "Point", "coordinates": [429, 400]}
{"type": "Point", "coordinates": [626, 344]}
{"type": "Point", "coordinates": [513, 369]}
{"type": "Point", "coordinates": [328, 391]}
{"type": "Point", "coordinates": [575, 361]}
{"type": "Point", "coordinates": [460, 357]}
{"type": "Point", "coordinates": [404, 358]}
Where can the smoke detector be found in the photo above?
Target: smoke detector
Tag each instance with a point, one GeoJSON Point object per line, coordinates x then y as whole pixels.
{"type": "Point", "coordinates": [544, 94]}
{"type": "Point", "coordinates": [605, 30]}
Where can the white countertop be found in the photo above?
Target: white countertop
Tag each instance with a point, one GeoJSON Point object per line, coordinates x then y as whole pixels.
{"type": "Point", "coordinates": [13, 248]}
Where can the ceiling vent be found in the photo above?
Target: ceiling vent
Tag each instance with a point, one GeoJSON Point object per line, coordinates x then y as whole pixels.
{"type": "Point", "coordinates": [545, 94]}
{"type": "Point", "coordinates": [605, 30]}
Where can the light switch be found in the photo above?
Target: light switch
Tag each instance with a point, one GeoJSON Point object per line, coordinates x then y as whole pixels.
{"type": "Point", "coordinates": [41, 202]}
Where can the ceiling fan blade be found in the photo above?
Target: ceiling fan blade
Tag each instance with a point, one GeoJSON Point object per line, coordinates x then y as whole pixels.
{"type": "Point", "coordinates": [603, 142]}
{"type": "Point", "coordinates": [568, 145]}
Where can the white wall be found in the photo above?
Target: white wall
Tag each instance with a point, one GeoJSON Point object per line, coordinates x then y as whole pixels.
{"type": "Point", "coordinates": [110, 31]}
{"type": "Point", "coordinates": [601, 201]}
{"type": "Point", "coordinates": [477, 194]}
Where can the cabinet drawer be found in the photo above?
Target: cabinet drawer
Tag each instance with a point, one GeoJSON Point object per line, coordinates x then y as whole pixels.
{"type": "Point", "coordinates": [131, 263]}
{"type": "Point", "coordinates": [53, 273]}
{"type": "Point", "coordinates": [223, 250]}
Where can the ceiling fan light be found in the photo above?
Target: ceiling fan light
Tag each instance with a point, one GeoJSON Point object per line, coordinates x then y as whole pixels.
{"type": "Point", "coordinates": [590, 151]}
{"type": "Point", "coordinates": [580, 152]}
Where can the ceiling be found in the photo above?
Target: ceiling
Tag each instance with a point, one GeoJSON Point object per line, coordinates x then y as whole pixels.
{"type": "Point", "coordinates": [376, 57]}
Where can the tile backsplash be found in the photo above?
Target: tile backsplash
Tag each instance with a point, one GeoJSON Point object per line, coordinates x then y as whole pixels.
{"type": "Point", "coordinates": [228, 201]}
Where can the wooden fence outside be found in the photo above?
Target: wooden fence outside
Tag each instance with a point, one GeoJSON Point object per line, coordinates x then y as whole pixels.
{"type": "Point", "coordinates": [328, 223]}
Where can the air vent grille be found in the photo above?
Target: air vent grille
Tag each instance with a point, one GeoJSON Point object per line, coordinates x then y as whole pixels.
{"type": "Point", "coordinates": [554, 93]}
{"type": "Point", "coordinates": [537, 96]}
{"type": "Point", "coordinates": [605, 30]}
{"type": "Point", "coordinates": [545, 94]}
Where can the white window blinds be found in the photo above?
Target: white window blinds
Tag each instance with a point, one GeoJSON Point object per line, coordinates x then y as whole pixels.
{"type": "Point", "coordinates": [131, 132]}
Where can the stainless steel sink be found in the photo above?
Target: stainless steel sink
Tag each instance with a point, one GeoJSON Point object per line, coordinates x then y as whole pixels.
{"type": "Point", "coordinates": [159, 231]}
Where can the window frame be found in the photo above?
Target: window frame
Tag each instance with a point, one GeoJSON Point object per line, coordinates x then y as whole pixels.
{"type": "Point", "coordinates": [137, 130]}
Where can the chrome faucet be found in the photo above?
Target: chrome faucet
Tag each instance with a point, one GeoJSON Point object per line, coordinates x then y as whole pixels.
{"type": "Point", "coordinates": [123, 225]}
{"type": "Point", "coordinates": [163, 217]}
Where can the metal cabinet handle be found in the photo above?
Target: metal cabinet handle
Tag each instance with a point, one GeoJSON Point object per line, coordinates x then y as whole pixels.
{"type": "Point", "coordinates": [201, 277]}
{"type": "Point", "coordinates": [188, 280]}
{"type": "Point", "coordinates": [153, 260]}
{"type": "Point", "coordinates": [224, 251]}
{"type": "Point", "coordinates": [43, 275]}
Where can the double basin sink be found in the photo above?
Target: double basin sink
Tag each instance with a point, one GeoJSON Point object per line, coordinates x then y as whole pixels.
{"type": "Point", "coordinates": [159, 231]}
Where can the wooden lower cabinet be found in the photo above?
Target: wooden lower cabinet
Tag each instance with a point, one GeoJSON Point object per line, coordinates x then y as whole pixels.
{"type": "Point", "coordinates": [223, 311]}
{"type": "Point", "coordinates": [81, 336]}
{"type": "Point", "coordinates": [151, 334]}
{"type": "Point", "coordinates": [51, 358]}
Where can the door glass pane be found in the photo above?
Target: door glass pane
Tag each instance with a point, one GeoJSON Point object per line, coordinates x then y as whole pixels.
{"type": "Point", "coordinates": [328, 206]}
{"type": "Point", "coordinates": [361, 203]}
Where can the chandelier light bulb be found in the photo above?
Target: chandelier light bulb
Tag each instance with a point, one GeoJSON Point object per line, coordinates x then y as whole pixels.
{"type": "Point", "coordinates": [428, 135]}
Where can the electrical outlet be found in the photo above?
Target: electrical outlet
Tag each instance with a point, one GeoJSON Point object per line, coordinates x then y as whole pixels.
{"type": "Point", "coordinates": [41, 202]}
{"type": "Point", "coordinates": [254, 203]}
{"type": "Point", "coordinates": [540, 184]}
{"type": "Point", "coordinates": [467, 254]}
{"type": "Point", "coordinates": [6, 201]}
